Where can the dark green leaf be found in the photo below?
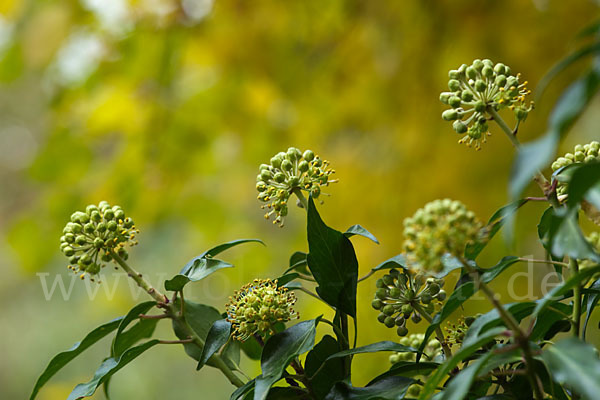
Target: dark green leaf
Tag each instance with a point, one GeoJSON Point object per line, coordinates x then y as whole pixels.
{"type": "Point", "coordinates": [492, 319]}
{"type": "Point", "coordinates": [324, 377]}
{"type": "Point", "coordinates": [217, 336]}
{"type": "Point", "coordinates": [374, 348]}
{"type": "Point", "coordinates": [566, 239]}
{"type": "Point", "coordinates": [398, 261]}
{"type": "Point", "coordinates": [465, 351]}
{"type": "Point", "coordinates": [463, 293]}
{"type": "Point", "coordinates": [459, 386]}
{"type": "Point", "coordinates": [592, 301]}
{"type": "Point", "coordinates": [332, 262]}
{"type": "Point", "coordinates": [287, 278]}
{"type": "Point", "coordinates": [108, 368]}
{"type": "Point", "coordinates": [548, 320]}
{"type": "Point", "coordinates": [231, 353]}
{"type": "Point", "coordinates": [252, 348]}
{"type": "Point", "coordinates": [359, 230]}
{"type": "Point", "coordinates": [280, 350]}
{"type": "Point", "coordinates": [585, 184]}
{"type": "Point", "coordinates": [219, 249]}
{"type": "Point", "coordinates": [575, 363]}
{"type": "Point", "coordinates": [493, 226]}
{"type": "Point", "coordinates": [141, 330]}
{"type": "Point", "coordinates": [62, 359]}
{"type": "Point", "coordinates": [298, 262]}
{"type": "Point", "coordinates": [201, 318]}
{"type": "Point", "coordinates": [389, 388]}
{"type": "Point", "coordinates": [408, 369]}
{"type": "Point", "coordinates": [242, 391]}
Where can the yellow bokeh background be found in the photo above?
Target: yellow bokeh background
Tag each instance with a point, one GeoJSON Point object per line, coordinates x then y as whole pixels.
{"type": "Point", "coordinates": [168, 107]}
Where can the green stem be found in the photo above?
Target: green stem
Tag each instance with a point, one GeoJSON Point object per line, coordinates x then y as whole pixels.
{"type": "Point", "coordinates": [438, 331]}
{"type": "Point", "coordinates": [298, 192]}
{"type": "Point", "coordinates": [574, 267]}
{"type": "Point", "coordinates": [174, 314]}
{"type": "Point", "coordinates": [539, 178]}
{"type": "Point", "coordinates": [505, 128]}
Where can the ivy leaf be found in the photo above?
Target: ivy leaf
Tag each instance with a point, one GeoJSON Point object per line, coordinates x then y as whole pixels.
{"type": "Point", "coordinates": [142, 329]}
{"type": "Point", "coordinates": [459, 386]}
{"type": "Point", "coordinates": [201, 318]}
{"type": "Point", "coordinates": [563, 237]}
{"type": "Point", "coordinates": [359, 230]}
{"type": "Point", "coordinates": [462, 294]}
{"type": "Point", "coordinates": [62, 359]}
{"type": "Point", "coordinates": [492, 319]}
{"type": "Point", "coordinates": [574, 362]}
{"type": "Point", "coordinates": [332, 262]}
{"type": "Point", "coordinates": [398, 261]}
{"type": "Point", "coordinates": [323, 377]}
{"type": "Point", "coordinates": [408, 369]}
{"type": "Point", "coordinates": [374, 348]}
{"type": "Point", "coordinates": [465, 351]}
{"type": "Point", "coordinates": [280, 350]}
{"type": "Point", "coordinates": [585, 184]}
{"type": "Point", "coordinates": [389, 388]}
{"type": "Point", "coordinates": [217, 336]}
{"type": "Point", "coordinates": [203, 265]}
{"type": "Point", "coordinates": [108, 368]}
{"type": "Point", "coordinates": [592, 300]}
{"type": "Point", "coordinates": [298, 262]}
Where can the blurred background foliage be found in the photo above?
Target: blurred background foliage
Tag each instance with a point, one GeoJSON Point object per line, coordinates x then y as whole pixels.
{"type": "Point", "coordinates": [167, 107]}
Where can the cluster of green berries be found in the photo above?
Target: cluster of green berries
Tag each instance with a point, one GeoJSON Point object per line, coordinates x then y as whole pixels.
{"type": "Point", "coordinates": [476, 89]}
{"type": "Point", "coordinates": [289, 172]}
{"type": "Point", "coordinates": [431, 350]}
{"type": "Point", "coordinates": [91, 238]}
{"type": "Point", "coordinates": [581, 154]}
{"type": "Point", "coordinates": [402, 295]}
{"type": "Point", "coordinates": [441, 227]}
{"type": "Point", "coordinates": [257, 307]}
{"type": "Point", "coordinates": [594, 239]}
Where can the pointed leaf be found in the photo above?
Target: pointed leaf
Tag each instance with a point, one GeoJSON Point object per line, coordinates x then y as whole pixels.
{"type": "Point", "coordinates": [575, 363]}
{"type": "Point", "coordinates": [359, 230]}
{"type": "Point", "coordinates": [107, 369]}
{"type": "Point", "coordinates": [217, 336]}
{"type": "Point", "coordinates": [62, 359]}
{"type": "Point", "coordinates": [322, 378]}
{"type": "Point", "coordinates": [141, 330]}
{"type": "Point", "coordinates": [201, 318]}
{"type": "Point", "coordinates": [332, 262]}
{"type": "Point", "coordinates": [374, 348]}
{"type": "Point", "coordinates": [280, 350]}
{"type": "Point", "coordinates": [390, 388]}
{"type": "Point", "coordinates": [398, 261]}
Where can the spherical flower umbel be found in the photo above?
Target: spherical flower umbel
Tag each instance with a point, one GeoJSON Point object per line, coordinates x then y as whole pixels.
{"type": "Point", "coordinates": [581, 154]}
{"type": "Point", "coordinates": [91, 235]}
{"type": "Point", "coordinates": [401, 295]}
{"type": "Point", "coordinates": [289, 172]}
{"type": "Point", "coordinates": [441, 227]}
{"type": "Point", "coordinates": [257, 307]}
{"type": "Point", "coordinates": [475, 90]}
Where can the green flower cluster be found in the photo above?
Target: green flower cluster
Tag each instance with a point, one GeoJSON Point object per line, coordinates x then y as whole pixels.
{"type": "Point", "coordinates": [475, 90]}
{"type": "Point", "coordinates": [290, 172]}
{"type": "Point", "coordinates": [441, 227]}
{"type": "Point", "coordinates": [403, 295]}
{"type": "Point", "coordinates": [455, 333]}
{"type": "Point", "coordinates": [92, 236]}
{"type": "Point", "coordinates": [257, 307]}
{"type": "Point", "coordinates": [431, 350]}
{"type": "Point", "coordinates": [581, 154]}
